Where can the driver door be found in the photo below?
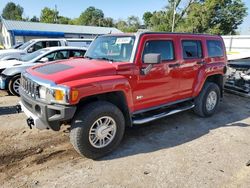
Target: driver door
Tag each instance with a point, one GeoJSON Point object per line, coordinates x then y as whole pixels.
{"type": "Point", "coordinates": [161, 84]}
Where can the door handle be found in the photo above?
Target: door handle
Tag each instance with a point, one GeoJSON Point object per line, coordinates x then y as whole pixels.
{"type": "Point", "coordinates": [201, 63]}
{"type": "Point", "coordinates": [174, 65]}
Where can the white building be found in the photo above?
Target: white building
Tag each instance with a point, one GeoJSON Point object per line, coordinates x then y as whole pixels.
{"type": "Point", "coordinates": [237, 46]}
{"type": "Point", "coordinates": [21, 31]}
{"type": "Point", "coordinates": [237, 43]}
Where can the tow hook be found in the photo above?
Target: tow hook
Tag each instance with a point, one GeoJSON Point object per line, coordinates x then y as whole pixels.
{"type": "Point", "coordinates": [18, 108]}
{"type": "Point", "coordinates": [30, 122]}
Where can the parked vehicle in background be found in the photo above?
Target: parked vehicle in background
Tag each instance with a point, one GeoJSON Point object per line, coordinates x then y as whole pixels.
{"type": "Point", "coordinates": [37, 44]}
{"type": "Point", "coordinates": [238, 77]}
{"type": "Point", "coordinates": [10, 77]}
{"type": "Point", "coordinates": [124, 79]}
{"type": "Point", "coordinates": [17, 45]}
{"type": "Point", "coordinates": [79, 42]}
{"type": "Point", "coordinates": [30, 47]}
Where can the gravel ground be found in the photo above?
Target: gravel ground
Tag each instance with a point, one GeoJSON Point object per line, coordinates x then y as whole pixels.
{"type": "Point", "coordinates": [178, 151]}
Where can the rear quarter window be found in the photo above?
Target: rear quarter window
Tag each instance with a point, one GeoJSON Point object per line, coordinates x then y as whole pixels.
{"type": "Point", "coordinates": [215, 48]}
{"type": "Point", "coordinates": [53, 43]}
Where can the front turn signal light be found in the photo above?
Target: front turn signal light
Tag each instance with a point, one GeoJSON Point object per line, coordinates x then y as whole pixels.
{"type": "Point", "coordinates": [74, 95]}
{"type": "Point", "coordinates": [59, 95]}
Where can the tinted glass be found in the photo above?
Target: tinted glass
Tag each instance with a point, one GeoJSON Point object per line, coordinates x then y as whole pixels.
{"type": "Point", "coordinates": [77, 53]}
{"type": "Point", "coordinates": [163, 47]}
{"type": "Point", "coordinates": [215, 48]}
{"type": "Point", "coordinates": [191, 49]}
{"type": "Point", "coordinates": [39, 45]}
{"type": "Point", "coordinates": [54, 43]}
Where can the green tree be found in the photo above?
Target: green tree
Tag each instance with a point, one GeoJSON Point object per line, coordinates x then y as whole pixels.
{"type": "Point", "coordinates": [12, 11]}
{"type": "Point", "coordinates": [34, 19]}
{"type": "Point", "coordinates": [107, 22]}
{"type": "Point", "coordinates": [64, 20]}
{"type": "Point", "coordinates": [133, 24]}
{"type": "Point", "coordinates": [121, 25]}
{"type": "Point", "coordinates": [215, 17]}
{"type": "Point", "coordinates": [49, 15]}
{"type": "Point", "coordinates": [200, 16]}
{"type": "Point", "coordinates": [146, 18]}
{"type": "Point", "coordinates": [91, 16]}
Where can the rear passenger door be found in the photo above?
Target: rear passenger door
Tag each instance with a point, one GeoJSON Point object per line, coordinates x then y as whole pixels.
{"type": "Point", "coordinates": [192, 60]}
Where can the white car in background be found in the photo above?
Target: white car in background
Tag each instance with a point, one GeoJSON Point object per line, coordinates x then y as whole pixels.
{"type": "Point", "coordinates": [37, 44]}
{"type": "Point", "coordinates": [10, 70]}
{"type": "Point", "coordinates": [30, 47]}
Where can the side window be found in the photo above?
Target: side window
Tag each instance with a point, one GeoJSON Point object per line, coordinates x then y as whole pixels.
{"type": "Point", "coordinates": [76, 53]}
{"type": "Point", "coordinates": [54, 43]}
{"type": "Point", "coordinates": [57, 55]}
{"type": "Point", "coordinates": [163, 47]}
{"type": "Point", "coordinates": [215, 48]}
{"type": "Point", "coordinates": [51, 56]}
{"type": "Point", "coordinates": [192, 49]}
{"type": "Point", "coordinates": [37, 46]}
{"type": "Point", "coordinates": [62, 55]}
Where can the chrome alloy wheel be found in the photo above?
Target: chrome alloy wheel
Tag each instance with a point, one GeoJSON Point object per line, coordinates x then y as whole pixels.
{"type": "Point", "coordinates": [16, 85]}
{"type": "Point", "coordinates": [211, 100]}
{"type": "Point", "coordinates": [102, 132]}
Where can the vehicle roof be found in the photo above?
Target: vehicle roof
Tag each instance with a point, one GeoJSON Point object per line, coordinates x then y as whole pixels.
{"type": "Point", "coordinates": [164, 33]}
{"type": "Point", "coordinates": [65, 48]}
{"type": "Point", "coordinates": [65, 39]}
{"type": "Point", "coordinates": [79, 39]}
{"type": "Point", "coordinates": [47, 39]}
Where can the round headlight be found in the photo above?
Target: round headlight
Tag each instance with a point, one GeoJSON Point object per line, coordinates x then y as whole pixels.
{"type": "Point", "coordinates": [42, 92]}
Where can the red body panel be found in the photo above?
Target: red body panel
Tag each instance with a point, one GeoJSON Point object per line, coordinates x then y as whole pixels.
{"type": "Point", "coordinates": [163, 84]}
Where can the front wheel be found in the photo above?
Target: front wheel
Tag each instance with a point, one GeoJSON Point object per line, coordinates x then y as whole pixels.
{"type": "Point", "coordinates": [207, 102]}
{"type": "Point", "coordinates": [97, 129]}
{"type": "Point", "coordinates": [14, 85]}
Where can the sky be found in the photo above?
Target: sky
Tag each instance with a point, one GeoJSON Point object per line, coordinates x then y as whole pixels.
{"type": "Point", "coordinates": [116, 9]}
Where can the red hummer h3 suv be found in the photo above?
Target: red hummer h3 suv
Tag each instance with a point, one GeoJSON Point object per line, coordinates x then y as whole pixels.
{"type": "Point", "coordinates": [124, 80]}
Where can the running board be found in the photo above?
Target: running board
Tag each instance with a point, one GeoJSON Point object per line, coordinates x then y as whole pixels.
{"type": "Point", "coordinates": [161, 115]}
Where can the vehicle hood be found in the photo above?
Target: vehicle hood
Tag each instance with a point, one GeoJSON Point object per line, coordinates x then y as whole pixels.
{"type": "Point", "coordinates": [69, 70]}
{"type": "Point", "coordinates": [9, 52]}
{"type": "Point", "coordinates": [17, 69]}
{"type": "Point", "coordinates": [10, 63]}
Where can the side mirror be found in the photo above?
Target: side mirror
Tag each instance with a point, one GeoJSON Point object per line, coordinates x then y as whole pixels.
{"type": "Point", "coordinates": [30, 50]}
{"type": "Point", "coordinates": [44, 60]}
{"type": "Point", "coordinates": [152, 58]}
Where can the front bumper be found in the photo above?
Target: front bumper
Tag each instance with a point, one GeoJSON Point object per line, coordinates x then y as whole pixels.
{"type": "Point", "coordinates": [46, 116]}
{"type": "Point", "coordinates": [4, 81]}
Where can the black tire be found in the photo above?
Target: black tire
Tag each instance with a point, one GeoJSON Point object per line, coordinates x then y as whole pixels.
{"type": "Point", "coordinates": [83, 121]}
{"type": "Point", "coordinates": [201, 101]}
{"type": "Point", "coordinates": [12, 84]}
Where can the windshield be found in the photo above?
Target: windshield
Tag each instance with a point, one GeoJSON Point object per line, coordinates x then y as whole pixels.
{"type": "Point", "coordinates": [33, 55]}
{"type": "Point", "coordinates": [111, 48]}
{"type": "Point", "coordinates": [25, 45]}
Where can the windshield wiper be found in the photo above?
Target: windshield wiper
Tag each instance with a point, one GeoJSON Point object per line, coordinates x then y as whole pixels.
{"type": "Point", "coordinates": [106, 59]}
{"type": "Point", "coordinates": [88, 57]}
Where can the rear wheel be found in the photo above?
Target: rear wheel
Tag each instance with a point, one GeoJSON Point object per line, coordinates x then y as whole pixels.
{"type": "Point", "coordinates": [14, 85]}
{"type": "Point", "coordinates": [97, 129]}
{"type": "Point", "coordinates": [207, 102]}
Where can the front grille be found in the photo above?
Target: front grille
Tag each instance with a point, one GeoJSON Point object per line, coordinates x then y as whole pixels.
{"type": "Point", "coordinates": [29, 87]}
